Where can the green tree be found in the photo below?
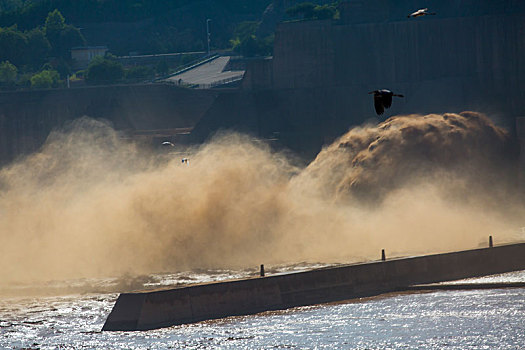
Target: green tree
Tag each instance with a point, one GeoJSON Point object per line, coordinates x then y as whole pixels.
{"type": "Point", "coordinates": [325, 11]}
{"type": "Point", "coordinates": [246, 42]}
{"type": "Point", "coordinates": [13, 45]}
{"type": "Point", "coordinates": [45, 79]}
{"type": "Point", "coordinates": [245, 29]}
{"type": "Point", "coordinates": [60, 35]}
{"type": "Point", "coordinates": [104, 70]}
{"type": "Point", "coordinates": [69, 37]}
{"type": "Point", "coordinates": [59, 65]}
{"type": "Point", "coordinates": [249, 46]}
{"type": "Point", "coordinates": [38, 48]}
{"type": "Point", "coordinates": [55, 23]}
{"type": "Point", "coordinates": [304, 9]}
{"type": "Point", "coordinates": [308, 10]}
{"type": "Point", "coordinates": [8, 73]}
{"type": "Point", "coordinates": [139, 72]}
{"type": "Point", "coordinates": [162, 67]}
{"type": "Point", "coordinates": [266, 45]}
{"type": "Point", "coordinates": [10, 5]}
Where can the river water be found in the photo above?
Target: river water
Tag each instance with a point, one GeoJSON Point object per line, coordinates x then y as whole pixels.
{"type": "Point", "coordinates": [72, 314]}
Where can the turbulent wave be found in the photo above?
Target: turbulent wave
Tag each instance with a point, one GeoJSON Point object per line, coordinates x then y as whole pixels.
{"type": "Point", "coordinates": [448, 150]}
{"type": "Point", "coordinates": [91, 203]}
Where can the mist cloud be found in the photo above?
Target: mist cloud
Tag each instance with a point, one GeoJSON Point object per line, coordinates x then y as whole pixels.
{"type": "Point", "coordinates": [449, 150]}
{"type": "Point", "coordinates": [91, 203]}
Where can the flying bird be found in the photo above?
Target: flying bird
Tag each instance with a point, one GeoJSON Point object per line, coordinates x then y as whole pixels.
{"type": "Point", "coordinates": [383, 99]}
{"type": "Point", "coordinates": [420, 12]}
{"type": "Point", "coordinates": [167, 143]}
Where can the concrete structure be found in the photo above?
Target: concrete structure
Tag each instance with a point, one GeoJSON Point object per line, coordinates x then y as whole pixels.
{"type": "Point", "coordinates": [259, 74]}
{"type": "Point", "coordinates": [27, 117]}
{"type": "Point", "coordinates": [400, 54]}
{"type": "Point", "coordinates": [83, 55]}
{"type": "Point", "coordinates": [470, 56]}
{"type": "Point", "coordinates": [207, 75]}
{"type": "Point", "coordinates": [149, 310]}
{"type": "Point", "coordinates": [467, 57]}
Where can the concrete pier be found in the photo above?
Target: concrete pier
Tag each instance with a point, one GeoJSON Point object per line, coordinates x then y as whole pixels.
{"type": "Point", "coordinates": [150, 310]}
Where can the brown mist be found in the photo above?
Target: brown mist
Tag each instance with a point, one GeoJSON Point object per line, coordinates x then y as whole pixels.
{"type": "Point", "coordinates": [91, 203]}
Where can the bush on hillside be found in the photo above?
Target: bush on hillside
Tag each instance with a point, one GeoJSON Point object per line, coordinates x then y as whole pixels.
{"type": "Point", "coordinates": [139, 72]}
{"type": "Point", "coordinates": [46, 79]}
{"type": "Point", "coordinates": [246, 43]}
{"type": "Point", "coordinates": [13, 44]}
{"type": "Point", "coordinates": [308, 10]}
{"type": "Point", "coordinates": [104, 70]}
{"type": "Point", "coordinates": [8, 73]}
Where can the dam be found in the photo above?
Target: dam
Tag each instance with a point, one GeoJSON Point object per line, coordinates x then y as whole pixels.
{"type": "Point", "coordinates": [157, 309]}
{"type": "Point", "coordinates": [314, 86]}
{"type": "Point", "coordinates": [138, 224]}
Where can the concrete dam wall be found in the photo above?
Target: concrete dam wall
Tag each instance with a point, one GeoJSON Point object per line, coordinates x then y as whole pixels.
{"type": "Point", "coordinates": [315, 87]}
{"type": "Point", "coordinates": [327, 53]}
{"type": "Point", "coordinates": [149, 310]}
{"type": "Point", "coordinates": [27, 117]}
{"type": "Point", "coordinates": [470, 56]}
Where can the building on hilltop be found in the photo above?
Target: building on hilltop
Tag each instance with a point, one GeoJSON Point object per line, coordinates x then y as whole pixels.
{"type": "Point", "coordinates": [82, 55]}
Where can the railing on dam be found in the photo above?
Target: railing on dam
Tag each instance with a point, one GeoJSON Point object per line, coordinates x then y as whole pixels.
{"type": "Point", "coordinates": [211, 85]}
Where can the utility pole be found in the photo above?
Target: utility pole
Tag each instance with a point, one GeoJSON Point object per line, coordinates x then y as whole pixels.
{"type": "Point", "coordinates": [208, 34]}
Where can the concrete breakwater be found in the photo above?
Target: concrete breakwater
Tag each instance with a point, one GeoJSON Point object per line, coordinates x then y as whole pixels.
{"type": "Point", "coordinates": [156, 309]}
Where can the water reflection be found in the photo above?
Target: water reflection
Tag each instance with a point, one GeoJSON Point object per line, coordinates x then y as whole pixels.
{"type": "Point", "coordinates": [439, 320]}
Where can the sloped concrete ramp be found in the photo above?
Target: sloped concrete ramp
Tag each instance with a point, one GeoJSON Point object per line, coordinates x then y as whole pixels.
{"type": "Point", "coordinates": [208, 74]}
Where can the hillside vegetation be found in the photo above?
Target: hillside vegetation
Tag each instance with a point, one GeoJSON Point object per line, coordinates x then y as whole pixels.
{"type": "Point", "coordinates": [141, 26]}
{"type": "Point", "coordinates": [36, 36]}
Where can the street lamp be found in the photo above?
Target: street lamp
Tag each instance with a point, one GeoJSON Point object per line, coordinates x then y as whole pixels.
{"type": "Point", "coordinates": [208, 34]}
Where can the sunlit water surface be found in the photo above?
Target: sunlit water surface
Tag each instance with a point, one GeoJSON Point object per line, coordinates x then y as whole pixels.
{"type": "Point", "coordinates": [473, 319]}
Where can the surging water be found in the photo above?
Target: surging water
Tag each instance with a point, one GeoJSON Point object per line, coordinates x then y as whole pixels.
{"type": "Point", "coordinates": [91, 204]}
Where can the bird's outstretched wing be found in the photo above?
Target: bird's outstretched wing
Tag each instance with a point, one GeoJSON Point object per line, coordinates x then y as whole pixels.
{"type": "Point", "coordinates": [387, 100]}
{"type": "Point", "coordinates": [378, 104]}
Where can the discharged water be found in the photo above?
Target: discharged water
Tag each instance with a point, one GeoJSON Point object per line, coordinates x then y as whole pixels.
{"type": "Point", "coordinates": [473, 319]}
{"type": "Point", "coordinates": [91, 203]}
